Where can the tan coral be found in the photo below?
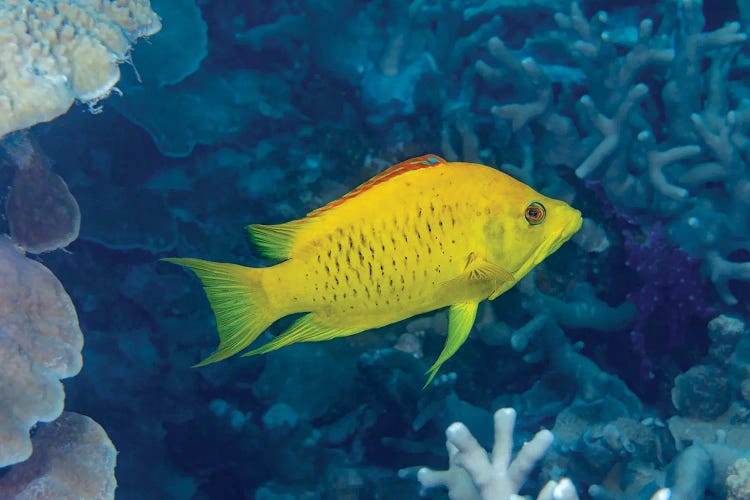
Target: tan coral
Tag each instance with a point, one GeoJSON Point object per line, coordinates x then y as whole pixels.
{"type": "Point", "coordinates": [40, 343]}
{"type": "Point", "coordinates": [738, 480]}
{"type": "Point", "coordinates": [53, 52]}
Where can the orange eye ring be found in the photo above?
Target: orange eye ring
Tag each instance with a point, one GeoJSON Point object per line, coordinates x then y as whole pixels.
{"type": "Point", "coordinates": [535, 213]}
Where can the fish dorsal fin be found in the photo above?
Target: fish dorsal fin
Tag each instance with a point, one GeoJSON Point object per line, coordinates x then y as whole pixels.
{"type": "Point", "coordinates": [417, 163]}
{"type": "Point", "coordinates": [274, 241]}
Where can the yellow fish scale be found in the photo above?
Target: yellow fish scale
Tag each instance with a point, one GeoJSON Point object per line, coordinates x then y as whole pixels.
{"type": "Point", "coordinates": [423, 235]}
{"type": "Point", "coordinates": [371, 262]}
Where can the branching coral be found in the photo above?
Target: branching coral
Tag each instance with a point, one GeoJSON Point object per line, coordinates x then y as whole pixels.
{"type": "Point", "coordinates": [474, 475]}
{"type": "Point", "coordinates": [668, 143]}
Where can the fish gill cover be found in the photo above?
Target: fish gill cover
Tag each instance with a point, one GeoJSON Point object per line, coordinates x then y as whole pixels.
{"type": "Point", "coordinates": [628, 345]}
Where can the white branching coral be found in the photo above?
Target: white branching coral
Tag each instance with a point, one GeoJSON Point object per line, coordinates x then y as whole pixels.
{"type": "Point", "coordinates": [53, 52]}
{"type": "Point", "coordinates": [475, 475]}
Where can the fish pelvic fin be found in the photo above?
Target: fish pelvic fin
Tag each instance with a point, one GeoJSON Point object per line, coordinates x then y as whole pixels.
{"type": "Point", "coordinates": [305, 329]}
{"type": "Point", "coordinates": [238, 300]}
{"type": "Point", "coordinates": [460, 320]}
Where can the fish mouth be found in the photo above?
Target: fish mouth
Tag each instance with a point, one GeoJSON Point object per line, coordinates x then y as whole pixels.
{"type": "Point", "coordinates": [573, 226]}
{"type": "Point", "coordinates": [566, 232]}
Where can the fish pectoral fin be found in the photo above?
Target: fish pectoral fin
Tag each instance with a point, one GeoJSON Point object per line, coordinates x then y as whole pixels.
{"type": "Point", "coordinates": [460, 320]}
{"type": "Point", "coordinates": [305, 329]}
{"type": "Point", "coordinates": [480, 269]}
{"type": "Point", "coordinates": [275, 241]}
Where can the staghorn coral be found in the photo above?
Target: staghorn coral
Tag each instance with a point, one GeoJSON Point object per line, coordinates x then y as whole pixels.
{"type": "Point", "coordinates": [40, 343]}
{"type": "Point", "coordinates": [73, 460]}
{"type": "Point", "coordinates": [474, 475]}
{"type": "Point", "coordinates": [660, 124]}
{"type": "Point", "coordinates": [54, 52]}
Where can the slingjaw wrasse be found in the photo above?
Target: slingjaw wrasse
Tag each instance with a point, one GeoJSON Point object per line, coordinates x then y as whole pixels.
{"type": "Point", "coordinates": [422, 235]}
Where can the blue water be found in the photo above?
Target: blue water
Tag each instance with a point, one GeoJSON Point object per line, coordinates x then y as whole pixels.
{"type": "Point", "coordinates": [629, 343]}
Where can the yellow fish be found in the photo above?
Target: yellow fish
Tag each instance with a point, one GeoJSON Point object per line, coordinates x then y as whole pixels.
{"type": "Point", "coordinates": [422, 235]}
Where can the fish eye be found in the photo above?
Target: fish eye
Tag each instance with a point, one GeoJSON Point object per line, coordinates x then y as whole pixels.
{"type": "Point", "coordinates": [535, 213]}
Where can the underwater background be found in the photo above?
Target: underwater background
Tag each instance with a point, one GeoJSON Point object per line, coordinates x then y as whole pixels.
{"type": "Point", "coordinates": [629, 343]}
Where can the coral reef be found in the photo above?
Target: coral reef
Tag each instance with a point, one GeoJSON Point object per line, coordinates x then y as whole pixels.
{"type": "Point", "coordinates": [630, 345]}
{"type": "Point", "coordinates": [58, 52]}
{"type": "Point", "coordinates": [40, 342]}
{"type": "Point", "coordinates": [73, 459]}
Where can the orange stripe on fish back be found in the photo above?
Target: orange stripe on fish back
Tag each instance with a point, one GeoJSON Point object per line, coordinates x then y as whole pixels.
{"type": "Point", "coordinates": [417, 163]}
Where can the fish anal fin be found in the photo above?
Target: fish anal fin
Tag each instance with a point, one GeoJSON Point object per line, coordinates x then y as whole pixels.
{"type": "Point", "coordinates": [274, 241]}
{"type": "Point", "coordinates": [305, 329]}
{"type": "Point", "coordinates": [460, 320]}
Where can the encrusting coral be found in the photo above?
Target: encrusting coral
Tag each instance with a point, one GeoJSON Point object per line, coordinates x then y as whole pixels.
{"type": "Point", "coordinates": [40, 343]}
{"type": "Point", "coordinates": [54, 52]}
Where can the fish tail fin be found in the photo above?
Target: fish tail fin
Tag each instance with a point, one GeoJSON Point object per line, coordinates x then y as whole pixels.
{"type": "Point", "coordinates": [239, 302]}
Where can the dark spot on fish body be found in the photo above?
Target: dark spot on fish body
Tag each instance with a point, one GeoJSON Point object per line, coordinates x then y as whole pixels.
{"type": "Point", "coordinates": [329, 253]}
{"type": "Point", "coordinates": [328, 269]}
{"type": "Point", "coordinates": [334, 297]}
{"type": "Point", "coordinates": [378, 289]}
{"type": "Point", "coordinates": [336, 279]}
{"type": "Point", "coordinates": [338, 243]}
